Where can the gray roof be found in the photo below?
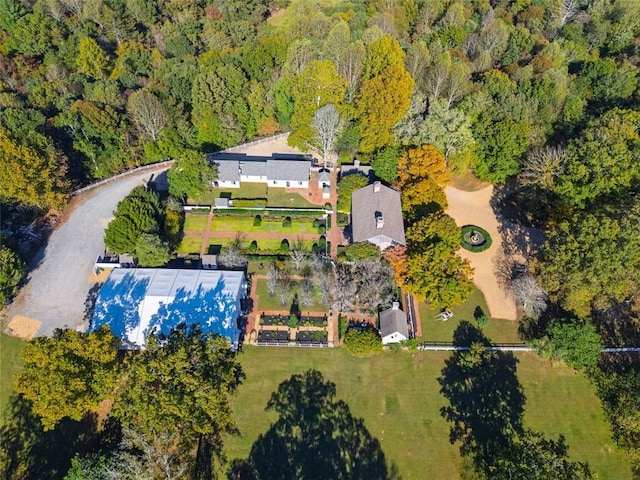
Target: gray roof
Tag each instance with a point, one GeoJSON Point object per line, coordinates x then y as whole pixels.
{"type": "Point", "coordinates": [324, 176]}
{"type": "Point", "coordinates": [279, 166]}
{"type": "Point", "coordinates": [367, 205]}
{"type": "Point", "coordinates": [392, 321]}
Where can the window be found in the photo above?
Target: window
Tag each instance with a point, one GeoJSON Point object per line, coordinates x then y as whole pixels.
{"type": "Point", "coordinates": [299, 183]}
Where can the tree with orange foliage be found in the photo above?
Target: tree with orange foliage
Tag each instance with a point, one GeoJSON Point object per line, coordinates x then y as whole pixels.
{"type": "Point", "coordinates": [421, 162]}
{"type": "Point", "coordinates": [397, 258]}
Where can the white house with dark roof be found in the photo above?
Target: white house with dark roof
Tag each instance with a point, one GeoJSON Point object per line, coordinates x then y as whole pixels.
{"type": "Point", "coordinates": [376, 216]}
{"type": "Point", "coordinates": [286, 170]}
{"type": "Point", "coordinates": [393, 325]}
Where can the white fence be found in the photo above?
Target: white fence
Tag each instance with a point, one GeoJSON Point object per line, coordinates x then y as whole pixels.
{"type": "Point", "coordinates": [167, 163]}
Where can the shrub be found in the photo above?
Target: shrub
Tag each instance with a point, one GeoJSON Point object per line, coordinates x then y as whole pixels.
{"type": "Point", "coordinates": [322, 229]}
{"type": "Point", "coordinates": [293, 321]}
{"type": "Point", "coordinates": [257, 221]}
{"type": "Point", "coordinates": [342, 326]}
{"type": "Point", "coordinates": [342, 219]}
{"type": "Point", "coordinates": [482, 320]}
{"type": "Point", "coordinates": [365, 342]}
{"type": "Point", "coordinates": [286, 222]}
{"type": "Point", "coordinates": [284, 245]}
{"type": "Point", "coordinates": [314, 248]}
{"type": "Point", "coordinates": [475, 248]}
{"type": "Point", "coordinates": [316, 223]}
{"type": "Point", "coordinates": [361, 251]}
{"type": "Point", "coordinates": [253, 246]}
{"type": "Point", "coordinates": [328, 206]}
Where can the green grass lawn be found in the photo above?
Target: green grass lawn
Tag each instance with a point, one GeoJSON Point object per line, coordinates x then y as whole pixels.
{"type": "Point", "coordinates": [278, 197]}
{"type": "Point", "coordinates": [265, 302]}
{"type": "Point", "coordinates": [190, 245]}
{"type": "Point", "coordinates": [195, 223]}
{"type": "Point", "coordinates": [397, 395]}
{"type": "Point", "coordinates": [499, 331]}
{"type": "Point", "coordinates": [267, 244]}
{"type": "Point", "coordinates": [224, 223]}
{"type": "Point", "coordinates": [10, 364]}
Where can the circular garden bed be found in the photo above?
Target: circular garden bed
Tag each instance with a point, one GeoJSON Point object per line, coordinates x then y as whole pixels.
{"type": "Point", "coordinates": [475, 239]}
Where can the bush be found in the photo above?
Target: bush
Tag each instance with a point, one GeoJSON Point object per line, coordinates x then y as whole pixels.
{"type": "Point", "coordinates": [342, 219]}
{"type": "Point", "coordinates": [328, 206]}
{"type": "Point", "coordinates": [365, 342]}
{"type": "Point", "coordinates": [316, 223]}
{"type": "Point", "coordinates": [257, 221]}
{"type": "Point", "coordinates": [322, 229]}
{"type": "Point", "coordinates": [475, 248]}
{"type": "Point", "coordinates": [284, 245]}
{"type": "Point", "coordinates": [482, 320]}
{"type": "Point", "coordinates": [286, 222]}
{"type": "Point", "coordinates": [253, 246]}
{"type": "Point", "coordinates": [293, 321]}
{"type": "Point", "coordinates": [361, 251]}
{"type": "Point", "coordinates": [343, 323]}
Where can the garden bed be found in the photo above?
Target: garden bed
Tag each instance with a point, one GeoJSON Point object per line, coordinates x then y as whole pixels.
{"type": "Point", "coordinates": [312, 337]}
{"type": "Point", "coordinates": [273, 336]}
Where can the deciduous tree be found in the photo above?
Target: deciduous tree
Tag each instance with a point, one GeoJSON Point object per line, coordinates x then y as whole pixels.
{"type": "Point", "coordinates": [346, 186]}
{"type": "Point", "coordinates": [191, 175]}
{"type": "Point", "coordinates": [68, 374]}
{"type": "Point", "coordinates": [148, 113]}
{"type": "Point", "coordinates": [151, 251]}
{"type": "Point", "coordinates": [12, 269]}
{"type": "Point", "coordinates": [327, 125]}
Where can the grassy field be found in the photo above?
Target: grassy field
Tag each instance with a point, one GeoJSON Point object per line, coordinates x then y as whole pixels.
{"type": "Point", "coordinates": [10, 364]}
{"type": "Point", "coordinates": [433, 328]}
{"type": "Point", "coordinates": [195, 223]}
{"type": "Point", "coordinates": [190, 245]}
{"type": "Point", "coordinates": [397, 395]}
{"type": "Point", "coordinates": [278, 197]}
{"type": "Point", "coordinates": [245, 225]}
{"type": "Point", "coordinates": [265, 302]}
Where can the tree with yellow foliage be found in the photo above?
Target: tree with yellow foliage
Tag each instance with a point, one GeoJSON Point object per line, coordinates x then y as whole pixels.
{"type": "Point", "coordinates": [30, 174]}
{"type": "Point", "coordinates": [424, 161]}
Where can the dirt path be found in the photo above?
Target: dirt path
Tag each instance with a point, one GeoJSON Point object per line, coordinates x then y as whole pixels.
{"type": "Point", "coordinates": [474, 208]}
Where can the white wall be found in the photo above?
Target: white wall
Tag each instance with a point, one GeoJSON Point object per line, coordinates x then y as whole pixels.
{"type": "Point", "coordinates": [228, 184]}
{"type": "Point", "coordinates": [393, 338]}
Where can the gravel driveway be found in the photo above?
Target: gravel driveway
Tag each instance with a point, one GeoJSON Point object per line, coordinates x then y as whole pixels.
{"type": "Point", "coordinates": [57, 289]}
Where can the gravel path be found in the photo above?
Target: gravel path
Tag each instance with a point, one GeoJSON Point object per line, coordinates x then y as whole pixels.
{"type": "Point", "coordinates": [474, 208]}
{"type": "Point", "coordinates": [58, 287]}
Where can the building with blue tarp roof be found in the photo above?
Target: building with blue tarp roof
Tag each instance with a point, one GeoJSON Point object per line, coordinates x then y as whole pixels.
{"type": "Point", "coordinates": [135, 302]}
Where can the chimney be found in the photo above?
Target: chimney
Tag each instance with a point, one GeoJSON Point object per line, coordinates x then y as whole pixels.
{"type": "Point", "coordinates": [395, 306]}
{"type": "Point", "coordinates": [376, 187]}
{"type": "Point", "coordinates": [379, 221]}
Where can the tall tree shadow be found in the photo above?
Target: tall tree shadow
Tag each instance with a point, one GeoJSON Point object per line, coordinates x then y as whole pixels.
{"type": "Point", "coordinates": [486, 401]}
{"type": "Point", "coordinates": [28, 452]}
{"type": "Point", "coordinates": [315, 437]}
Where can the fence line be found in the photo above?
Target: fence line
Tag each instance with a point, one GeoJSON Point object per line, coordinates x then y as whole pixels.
{"type": "Point", "coordinates": [507, 347]}
{"type": "Point", "coordinates": [167, 163]}
{"type": "Point", "coordinates": [121, 175]}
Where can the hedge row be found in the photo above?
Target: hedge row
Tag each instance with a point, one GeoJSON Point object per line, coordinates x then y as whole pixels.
{"type": "Point", "coordinates": [245, 212]}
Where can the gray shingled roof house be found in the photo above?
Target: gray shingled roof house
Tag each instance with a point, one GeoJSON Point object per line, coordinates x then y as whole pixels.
{"type": "Point", "coordinates": [393, 325]}
{"type": "Point", "coordinates": [278, 170]}
{"type": "Point", "coordinates": [376, 216]}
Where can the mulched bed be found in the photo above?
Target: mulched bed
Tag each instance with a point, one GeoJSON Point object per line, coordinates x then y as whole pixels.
{"type": "Point", "coordinates": [273, 335]}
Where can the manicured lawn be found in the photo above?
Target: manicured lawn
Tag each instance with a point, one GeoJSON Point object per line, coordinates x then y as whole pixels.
{"type": "Point", "coordinates": [264, 244]}
{"type": "Point", "coordinates": [397, 395]}
{"type": "Point", "coordinates": [278, 197]}
{"type": "Point", "coordinates": [433, 328]}
{"type": "Point", "coordinates": [195, 223]}
{"type": "Point", "coordinates": [224, 223]}
{"type": "Point", "coordinates": [265, 302]}
{"type": "Point", "coordinates": [10, 364]}
{"type": "Point", "coordinates": [190, 245]}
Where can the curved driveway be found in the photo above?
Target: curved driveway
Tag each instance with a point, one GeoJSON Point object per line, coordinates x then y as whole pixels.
{"type": "Point", "coordinates": [58, 287]}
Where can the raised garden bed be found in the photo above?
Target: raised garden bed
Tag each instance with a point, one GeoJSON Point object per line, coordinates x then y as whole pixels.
{"type": "Point", "coordinates": [273, 335]}
{"type": "Point", "coordinates": [313, 321]}
{"type": "Point", "coordinates": [311, 337]}
{"type": "Point", "coordinates": [475, 239]}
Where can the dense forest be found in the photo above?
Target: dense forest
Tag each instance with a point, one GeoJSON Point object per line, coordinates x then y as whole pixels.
{"type": "Point", "coordinates": [538, 97]}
